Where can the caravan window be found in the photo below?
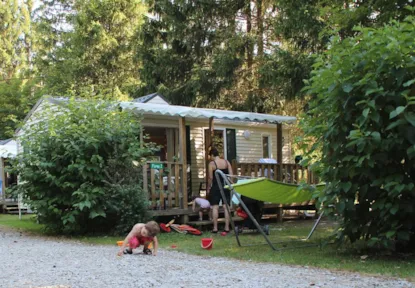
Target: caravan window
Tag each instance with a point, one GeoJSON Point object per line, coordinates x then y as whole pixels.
{"type": "Point", "coordinates": [265, 147]}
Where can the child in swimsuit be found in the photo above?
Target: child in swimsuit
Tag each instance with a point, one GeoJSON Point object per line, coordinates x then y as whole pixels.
{"type": "Point", "coordinates": [141, 234]}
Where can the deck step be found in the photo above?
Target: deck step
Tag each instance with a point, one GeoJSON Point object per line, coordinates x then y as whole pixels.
{"type": "Point", "coordinates": [13, 209]}
{"type": "Point", "coordinates": [208, 222]}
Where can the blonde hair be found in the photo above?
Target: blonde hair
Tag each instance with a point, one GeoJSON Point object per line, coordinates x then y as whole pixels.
{"type": "Point", "coordinates": [152, 228]}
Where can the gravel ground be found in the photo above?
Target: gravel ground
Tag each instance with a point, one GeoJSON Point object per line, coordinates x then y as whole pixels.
{"type": "Point", "coordinates": [37, 262]}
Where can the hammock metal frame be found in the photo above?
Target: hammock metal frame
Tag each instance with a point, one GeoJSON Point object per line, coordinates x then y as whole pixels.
{"type": "Point", "coordinates": [219, 174]}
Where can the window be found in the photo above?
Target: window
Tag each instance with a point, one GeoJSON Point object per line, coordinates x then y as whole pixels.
{"type": "Point", "coordinates": [218, 141]}
{"type": "Point", "coordinates": [265, 147]}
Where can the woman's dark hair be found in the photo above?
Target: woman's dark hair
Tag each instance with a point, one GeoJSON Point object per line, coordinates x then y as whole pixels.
{"type": "Point", "coordinates": [213, 151]}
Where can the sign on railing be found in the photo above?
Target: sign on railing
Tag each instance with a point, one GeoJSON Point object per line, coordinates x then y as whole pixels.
{"type": "Point", "coordinates": [164, 184]}
{"type": "Point", "coordinates": [156, 166]}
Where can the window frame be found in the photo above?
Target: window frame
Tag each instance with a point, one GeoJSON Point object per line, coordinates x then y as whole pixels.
{"type": "Point", "coordinates": [268, 136]}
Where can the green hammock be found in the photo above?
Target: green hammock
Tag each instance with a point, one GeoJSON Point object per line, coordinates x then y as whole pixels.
{"type": "Point", "coordinates": [264, 189]}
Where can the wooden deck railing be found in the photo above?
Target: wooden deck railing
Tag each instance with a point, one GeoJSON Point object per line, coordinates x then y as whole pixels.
{"type": "Point", "coordinates": [165, 187]}
{"type": "Point", "coordinates": [288, 173]}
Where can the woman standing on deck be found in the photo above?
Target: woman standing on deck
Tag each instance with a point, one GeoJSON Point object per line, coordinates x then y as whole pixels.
{"type": "Point", "coordinates": [213, 190]}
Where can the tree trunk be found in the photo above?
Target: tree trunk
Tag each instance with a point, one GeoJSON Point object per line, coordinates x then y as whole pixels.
{"type": "Point", "coordinates": [260, 28]}
{"type": "Point", "coordinates": [249, 46]}
{"type": "Point", "coordinates": [249, 58]}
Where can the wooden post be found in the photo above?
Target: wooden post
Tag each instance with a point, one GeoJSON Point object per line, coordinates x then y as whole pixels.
{"type": "Point", "coordinates": [141, 137]}
{"type": "Point", "coordinates": [161, 189]}
{"type": "Point", "coordinates": [280, 212]}
{"type": "Point", "coordinates": [145, 180]}
{"type": "Point", "coordinates": [209, 137]}
{"type": "Point", "coordinates": [3, 183]}
{"type": "Point", "coordinates": [279, 143]}
{"type": "Point", "coordinates": [279, 150]}
{"type": "Point", "coordinates": [170, 144]}
{"type": "Point", "coordinates": [234, 167]}
{"type": "Point", "coordinates": [211, 130]}
{"type": "Point", "coordinates": [169, 186]}
{"type": "Point", "coordinates": [176, 184]}
{"type": "Point", "coordinates": [153, 188]}
{"type": "Point", "coordinates": [183, 158]}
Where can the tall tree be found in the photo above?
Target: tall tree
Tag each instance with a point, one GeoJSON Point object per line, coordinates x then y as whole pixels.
{"type": "Point", "coordinates": [189, 49]}
{"type": "Point", "coordinates": [95, 52]}
{"type": "Point", "coordinates": [206, 53]}
{"type": "Point", "coordinates": [265, 47]}
{"type": "Point", "coordinates": [17, 82]}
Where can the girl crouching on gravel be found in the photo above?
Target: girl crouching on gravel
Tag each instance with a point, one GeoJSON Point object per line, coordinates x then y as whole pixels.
{"type": "Point", "coordinates": [141, 234]}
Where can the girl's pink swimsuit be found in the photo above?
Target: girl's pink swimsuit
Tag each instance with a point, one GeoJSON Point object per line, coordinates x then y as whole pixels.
{"type": "Point", "coordinates": [137, 241]}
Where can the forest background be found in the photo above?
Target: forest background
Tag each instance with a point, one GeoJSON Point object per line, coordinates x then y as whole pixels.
{"type": "Point", "coordinates": [233, 54]}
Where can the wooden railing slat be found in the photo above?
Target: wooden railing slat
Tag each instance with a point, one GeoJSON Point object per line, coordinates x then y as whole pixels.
{"type": "Point", "coordinates": [145, 180]}
{"type": "Point", "coordinates": [169, 188]}
{"type": "Point", "coordinates": [176, 184]}
{"type": "Point", "coordinates": [161, 188]}
{"type": "Point", "coordinates": [277, 172]}
{"type": "Point", "coordinates": [287, 172]}
{"type": "Point", "coordinates": [170, 196]}
{"type": "Point", "coordinates": [153, 188]}
{"type": "Point", "coordinates": [292, 171]}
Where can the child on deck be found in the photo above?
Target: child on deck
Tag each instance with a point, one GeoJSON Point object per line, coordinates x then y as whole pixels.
{"type": "Point", "coordinates": [204, 206]}
{"type": "Point", "coordinates": [141, 234]}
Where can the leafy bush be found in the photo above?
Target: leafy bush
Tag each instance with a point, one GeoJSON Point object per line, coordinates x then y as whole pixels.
{"type": "Point", "coordinates": [77, 169]}
{"type": "Point", "coordinates": [362, 120]}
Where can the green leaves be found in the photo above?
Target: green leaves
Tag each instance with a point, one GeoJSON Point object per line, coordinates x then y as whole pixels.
{"type": "Point", "coordinates": [396, 112]}
{"type": "Point", "coordinates": [408, 83]}
{"type": "Point", "coordinates": [366, 134]}
{"type": "Point", "coordinates": [345, 186]}
{"type": "Point", "coordinates": [347, 87]}
{"type": "Point", "coordinates": [394, 209]}
{"type": "Point", "coordinates": [97, 213]}
{"type": "Point", "coordinates": [411, 152]}
{"type": "Point", "coordinates": [410, 117]}
{"type": "Point", "coordinates": [366, 112]}
{"type": "Point", "coordinates": [77, 169]}
{"type": "Point", "coordinates": [96, 57]}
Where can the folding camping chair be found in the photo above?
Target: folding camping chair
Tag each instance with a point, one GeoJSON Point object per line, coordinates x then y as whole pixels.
{"type": "Point", "coordinates": [288, 193]}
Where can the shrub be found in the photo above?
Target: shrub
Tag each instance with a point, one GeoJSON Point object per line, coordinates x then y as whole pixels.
{"type": "Point", "coordinates": [362, 120]}
{"type": "Point", "coordinates": [77, 168]}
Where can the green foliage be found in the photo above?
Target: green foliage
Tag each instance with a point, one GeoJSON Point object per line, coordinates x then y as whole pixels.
{"type": "Point", "coordinates": [189, 51]}
{"type": "Point", "coordinates": [340, 17]}
{"type": "Point", "coordinates": [18, 88]}
{"type": "Point", "coordinates": [236, 54]}
{"type": "Point", "coordinates": [17, 96]}
{"type": "Point", "coordinates": [95, 54]}
{"type": "Point", "coordinates": [15, 34]}
{"type": "Point", "coordinates": [363, 122]}
{"type": "Point", "coordinates": [77, 168]}
{"type": "Point", "coordinates": [131, 206]}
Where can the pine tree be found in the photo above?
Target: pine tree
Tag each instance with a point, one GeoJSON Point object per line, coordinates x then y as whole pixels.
{"type": "Point", "coordinates": [190, 49]}
{"type": "Point", "coordinates": [94, 55]}
{"type": "Point", "coordinates": [17, 81]}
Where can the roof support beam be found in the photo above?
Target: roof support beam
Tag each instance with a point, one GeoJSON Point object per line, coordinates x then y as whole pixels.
{"type": "Point", "coordinates": [211, 131]}
{"type": "Point", "coordinates": [208, 146]}
{"type": "Point", "coordinates": [3, 179]}
{"type": "Point", "coordinates": [279, 143]}
{"type": "Point", "coordinates": [183, 158]}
